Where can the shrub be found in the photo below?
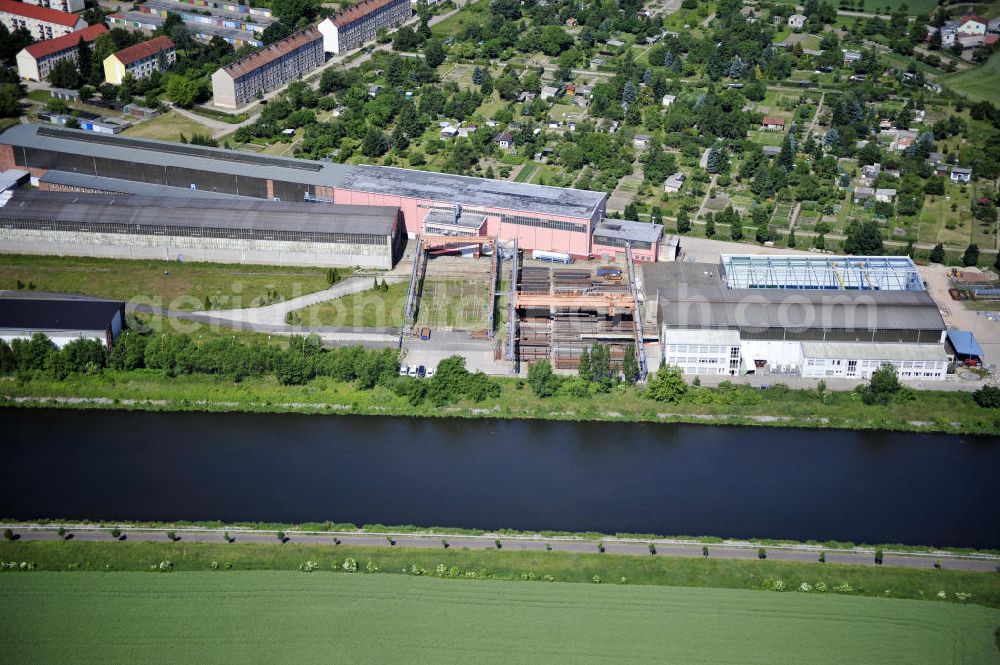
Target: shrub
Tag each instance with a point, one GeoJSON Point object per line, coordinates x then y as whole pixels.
{"type": "Point", "coordinates": [762, 553]}
{"type": "Point", "coordinates": [704, 551]}
{"type": "Point", "coordinates": [600, 547]}
{"type": "Point", "coordinates": [171, 536]}
{"type": "Point", "coordinates": [878, 556]}
{"type": "Point", "coordinates": [370, 567]}
{"type": "Point", "coordinates": [820, 586]}
{"type": "Point", "coordinates": [596, 579]}
{"type": "Point", "coordinates": [652, 549]}
{"type": "Point", "coordinates": [336, 541]}
{"type": "Point", "coordinates": [228, 538]}
{"type": "Point", "coordinates": [498, 543]}
{"type": "Point", "coordinates": [308, 566]}
{"type": "Point", "coordinates": [805, 587]}
{"type": "Point", "coordinates": [843, 588]}
{"type": "Point", "coordinates": [548, 547]}
{"type": "Point", "coordinates": [444, 543]}
{"type": "Point", "coordinates": [116, 533]}
{"type": "Point", "coordinates": [350, 565]}
{"type": "Point", "coordinates": [8, 534]}
{"type": "Point", "coordinates": [281, 536]}
{"type": "Point", "coordinates": [390, 540]}
{"type": "Point", "coordinates": [822, 557]}
{"type": "Point", "coordinates": [987, 397]}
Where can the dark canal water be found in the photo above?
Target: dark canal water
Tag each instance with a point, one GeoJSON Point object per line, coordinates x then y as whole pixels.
{"type": "Point", "coordinates": [666, 479]}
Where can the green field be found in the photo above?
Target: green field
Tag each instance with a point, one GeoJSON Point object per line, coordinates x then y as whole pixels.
{"type": "Point", "coordinates": [914, 7]}
{"type": "Point", "coordinates": [323, 617]}
{"type": "Point", "coordinates": [979, 84]}
{"type": "Point", "coordinates": [167, 127]}
{"type": "Point", "coordinates": [168, 283]}
{"type": "Point", "coordinates": [366, 309]}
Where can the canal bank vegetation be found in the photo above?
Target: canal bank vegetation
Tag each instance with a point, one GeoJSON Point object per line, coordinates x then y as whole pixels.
{"type": "Point", "coordinates": [178, 372]}
{"type": "Point", "coordinates": [319, 616]}
{"type": "Point", "coordinates": [334, 529]}
{"type": "Point", "coordinates": [488, 562]}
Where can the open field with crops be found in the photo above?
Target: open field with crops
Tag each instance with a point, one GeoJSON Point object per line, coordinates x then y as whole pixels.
{"type": "Point", "coordinates": [324, 617]}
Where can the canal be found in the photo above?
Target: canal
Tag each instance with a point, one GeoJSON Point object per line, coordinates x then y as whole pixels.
{"type": "Point", "coordinates": [926, 489]}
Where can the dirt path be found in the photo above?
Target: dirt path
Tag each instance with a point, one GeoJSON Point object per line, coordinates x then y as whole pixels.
{"type": "Point", "coordinates": [624, 546]}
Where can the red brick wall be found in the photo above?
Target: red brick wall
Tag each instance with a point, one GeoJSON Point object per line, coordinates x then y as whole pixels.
{"type": "Point", "coordinates": [6, 157]}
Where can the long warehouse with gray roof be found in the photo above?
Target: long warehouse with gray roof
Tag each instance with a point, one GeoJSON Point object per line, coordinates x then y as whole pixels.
{"type": "Point", "coordinates": [538, 217]}
{"type": "Point", "coordinates": [229, 230]}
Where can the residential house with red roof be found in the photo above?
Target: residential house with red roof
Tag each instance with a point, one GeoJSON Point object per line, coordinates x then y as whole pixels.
{"type": "Point", "coordinates": [34, 62]}
{"type": "Point", "coordinates": [70, 6]}
{"type": "Point", "coordinates": [140, 60]}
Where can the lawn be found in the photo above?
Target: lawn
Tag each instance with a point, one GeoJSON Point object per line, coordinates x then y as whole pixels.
{"type": "Point", "coordinates": [914, 7]}
{"type": "Point", "coordinates": [166, 283]}
{"type": "Point", "coordinates": [167, 127]}
{"type": "Point", "coordinates": [978, 84]}
{"type": "Point", "coordinates": [366, 309]}
{"type": "Point", "coordinates": [323, 617]}
{"type": "Point", "coordinates": [527, 172]}
{"type": "Point", "coordinates": [472, 14]}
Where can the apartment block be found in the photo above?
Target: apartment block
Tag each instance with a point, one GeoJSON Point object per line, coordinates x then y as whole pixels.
{"type": "Point", "coordinates": [36, 61]}
{"type": "Point", "coordinates": [43, 23]}
{"type": "Point", "coordinates": [60, 5]}
{"type": "Point", "coordinates": [352, 27]}
{"type": "Point", "coordinates": [236, 85]}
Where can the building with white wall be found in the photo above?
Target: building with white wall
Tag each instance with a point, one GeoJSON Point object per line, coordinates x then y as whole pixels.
{"type": "Point", "coordinates": [140, 60]}
{"type": "Point", "coordinates": [802, 315]}
{"type": "Point", "coordinates": [348, 29]}
{"type": "Point", "coordinates": [34, 62]}
{"type": "Point", "coordinates": [43, 23]}
{"type": "Point", "coordinates": [70, 6]}
{"type": "Point", "coordinates": [62, 320]}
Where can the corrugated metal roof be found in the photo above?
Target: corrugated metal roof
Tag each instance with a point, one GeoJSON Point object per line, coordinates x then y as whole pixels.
{"type": "Point", "coordinates": [965, 343]}
{"type": "Point", "coordinates": [714, 337]}
{"type": "Point", "coordinates": [473, 191]}
{"type": "Point", "coordinates": [873, 351]}
{"type": "Point", "coordinates": [629, 230]}
{"type": "Point", "coordinates": [67, 179]}
{"type": "Point", "coordinates": [57, 314]}
{"type": "Point", "coordinates": [718, 307]}
{"type": "Point", "coordinates": [442, 187]}
{"type": "Point", "coordinates": [242, 213]}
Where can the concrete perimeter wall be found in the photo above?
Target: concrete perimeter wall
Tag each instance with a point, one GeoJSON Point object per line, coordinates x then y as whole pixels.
{"type": "Point", "coordinates": [217, 250]}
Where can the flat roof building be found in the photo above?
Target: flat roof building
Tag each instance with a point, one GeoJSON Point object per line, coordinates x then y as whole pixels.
{"type": "Point", "coordinates": [203, 31]}
{"type": "Point", "coordinates": [869, 315]}
{"type": "Point", "coordinates": [349, 28]}
{"type": "Point", "coordinates": [43, 23]}
{"type": "Point", "coordinates": [62, 320]}
{"type": "Point", "coordinates": [68, 6]}
{"type": "Point", "coordinates": [233, 230]}
{"type": "Point", "coordinates": [34, 62]}
{"type": "Point", "coordinates": [539, 217]}
{"type": "Point", "coordinates": [612, 236]}
{"type": "Point", "coordinates": [237, 84]}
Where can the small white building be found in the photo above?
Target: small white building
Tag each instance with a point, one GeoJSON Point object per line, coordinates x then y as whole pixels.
{"type": "Point", "coordinates": [548, 92]}
{"type": "Point", "coordinates": [673, 183]}
{"type": "Point", "coordinates": [960, 174]}
{"type": "Point", "coordinates": [885, 195]}
{"type": "Point", "coordinates": [668, 100]}
{"type": "Point", "coordinates": [796, 21]}
{"type": "Point", "coordinates": [640, 141]}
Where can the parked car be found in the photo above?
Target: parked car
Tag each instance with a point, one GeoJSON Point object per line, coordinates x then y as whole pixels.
{"type": "Point", "coordinates": [421, 372]}
{"type": "Point", "coordinates": [430, 372]}
{"type": "Point", "coordinates": [412, 371]}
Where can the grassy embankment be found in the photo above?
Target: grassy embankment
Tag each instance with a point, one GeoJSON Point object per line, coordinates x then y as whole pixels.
{"type": "Point", "coordinates": [170, 284]}
{"type": "Point", "coordinates": [150, 390]}
{"type": "Point", "coordinates": [322, 617]}
{"type": "Point", "coordinates": [978, 84]}
{"type": "Point", "coordinates": [491, 563]}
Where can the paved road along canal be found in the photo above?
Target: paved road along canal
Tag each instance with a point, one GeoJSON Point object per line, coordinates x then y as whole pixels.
{"type": "Point", "coordinates": [923, 489]}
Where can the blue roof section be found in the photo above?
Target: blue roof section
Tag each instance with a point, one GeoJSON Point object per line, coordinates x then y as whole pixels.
{"type": "Point", "coordinates": [965, 343]}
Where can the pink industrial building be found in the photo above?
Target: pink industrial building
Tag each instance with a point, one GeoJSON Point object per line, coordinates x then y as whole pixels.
{"type": "Point", "coordinates": [552, 219]}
